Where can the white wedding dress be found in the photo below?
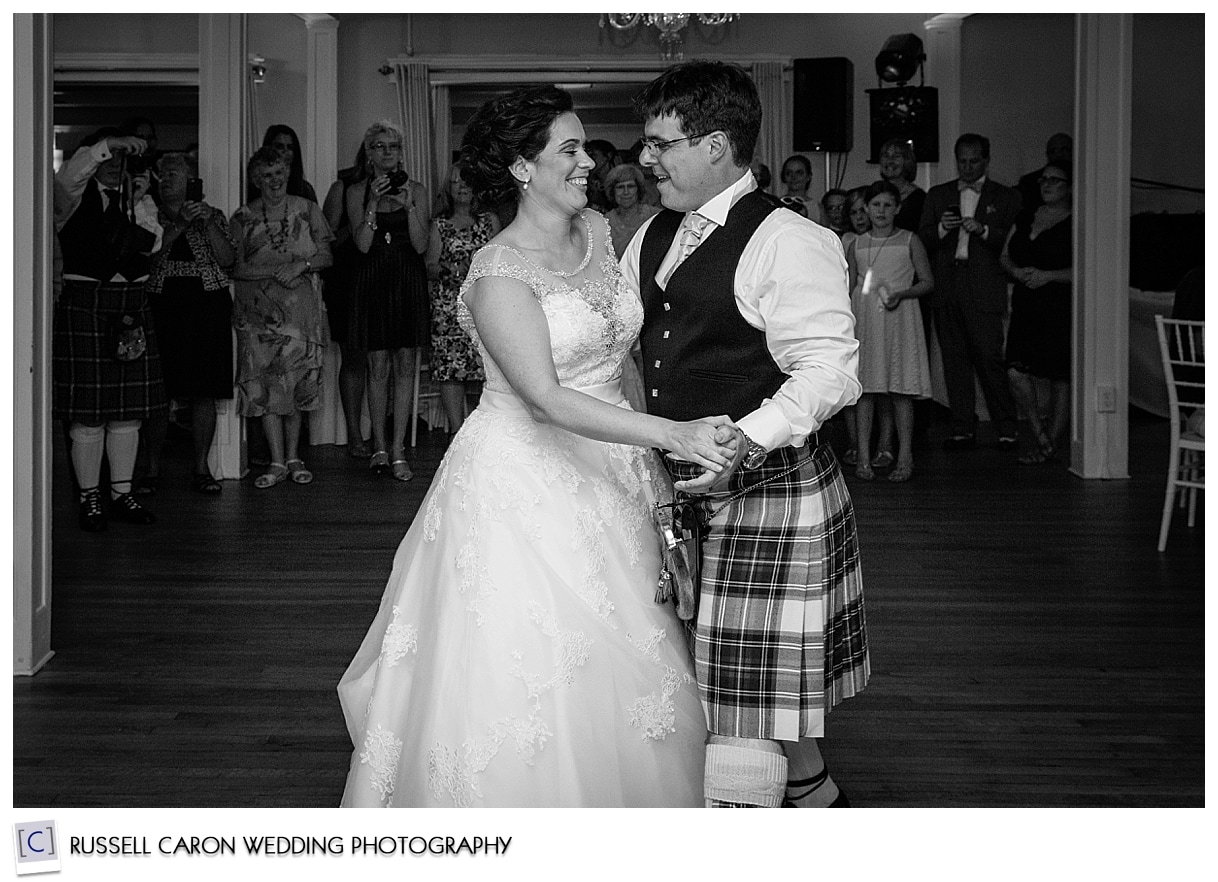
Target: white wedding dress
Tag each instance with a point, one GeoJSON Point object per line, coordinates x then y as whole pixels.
{"type": "Point", "coordinates": [519, 657]}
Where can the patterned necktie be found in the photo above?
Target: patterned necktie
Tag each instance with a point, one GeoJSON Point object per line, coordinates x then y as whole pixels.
{"type": "Point", "coordinates": [691, 235]}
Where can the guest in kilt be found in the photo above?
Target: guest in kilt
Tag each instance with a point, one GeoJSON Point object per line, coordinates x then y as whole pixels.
{"type": "Point", "coordinates": [105, 363]}
{"type": "Point", "coordinates": [747, 309]}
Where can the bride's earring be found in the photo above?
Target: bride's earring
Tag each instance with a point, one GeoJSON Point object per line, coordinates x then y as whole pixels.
{"type": "Point", "coordinates": [526, 185]}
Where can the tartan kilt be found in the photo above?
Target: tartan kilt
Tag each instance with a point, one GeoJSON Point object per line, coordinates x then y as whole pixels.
{"type": "Point", "coordinates": [781, 635]}
{"type": "Point", "coordinates": [89, 384]}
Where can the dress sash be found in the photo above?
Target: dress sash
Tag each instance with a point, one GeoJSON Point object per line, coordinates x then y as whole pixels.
{"type": "Point", "coordinates": [510, 404]}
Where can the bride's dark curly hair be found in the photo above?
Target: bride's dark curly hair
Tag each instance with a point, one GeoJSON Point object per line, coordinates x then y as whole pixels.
{"type": "Point", "coordinates": [502, 129]}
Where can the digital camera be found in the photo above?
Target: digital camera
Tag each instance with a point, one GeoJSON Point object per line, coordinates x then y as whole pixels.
{"type": "Point", "coordinates": [397, 180]}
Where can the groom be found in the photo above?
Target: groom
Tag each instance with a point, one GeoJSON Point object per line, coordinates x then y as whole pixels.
{"type": "Point", "coordinates": [747, 312]}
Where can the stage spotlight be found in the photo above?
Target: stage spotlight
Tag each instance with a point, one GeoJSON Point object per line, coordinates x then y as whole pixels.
{"type": "Point", "coordinates": [900, 59]}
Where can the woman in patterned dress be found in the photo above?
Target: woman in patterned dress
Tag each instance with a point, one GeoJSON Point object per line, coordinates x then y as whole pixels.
{"type": "Point", "coordinates": [459, 229]}
{"type": "Point", "coordinates": [188, 290]}
{"type": "Point", "coordinates": [282, 241]}
{"type": "Point", "coordinates": [518, 657]}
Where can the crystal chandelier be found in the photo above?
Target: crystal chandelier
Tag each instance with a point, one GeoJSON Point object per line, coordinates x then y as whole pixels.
{"type": "Point", "coordinates": [669, 24]}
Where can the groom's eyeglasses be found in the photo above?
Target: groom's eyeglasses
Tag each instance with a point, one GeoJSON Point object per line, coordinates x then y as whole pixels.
{"type": "Point", "coordinates": [657, 146]}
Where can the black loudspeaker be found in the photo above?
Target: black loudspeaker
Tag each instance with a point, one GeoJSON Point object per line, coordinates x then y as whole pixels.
{"type": "Point", "coordinates": [907, 112]}
{"type": "Point", "coordinates": [824, 105]}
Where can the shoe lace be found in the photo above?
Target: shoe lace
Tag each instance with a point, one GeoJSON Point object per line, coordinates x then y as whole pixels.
{"type": "Point", "coordinates": [128, 502]}
{"type": "Point", "coordinates": [92, 502]}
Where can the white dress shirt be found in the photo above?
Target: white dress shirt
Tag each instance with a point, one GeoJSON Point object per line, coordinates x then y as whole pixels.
{"type": "Point", "coordinates": [968, 208]}
{"type": "Point", "coordinates": [792, 284]}
{"type": "Point", "coordinates": [70, 181]}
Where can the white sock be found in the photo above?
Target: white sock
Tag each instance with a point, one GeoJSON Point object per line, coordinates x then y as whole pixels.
{"type": "Point", "coordinates": [88, 447]}
{"type": "Point", "coordinates": [122, 445]}
{"type": "Point", "coordinates": [744, 772]}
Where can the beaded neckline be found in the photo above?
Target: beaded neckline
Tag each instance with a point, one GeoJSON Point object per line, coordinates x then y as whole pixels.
{"type": "Point", "coordinates": [279, 238]}
{"type": "Point", "coordinates": [559, 273]}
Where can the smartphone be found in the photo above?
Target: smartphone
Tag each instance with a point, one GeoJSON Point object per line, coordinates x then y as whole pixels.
{"type": "Point", "coordinates": [194, 190]}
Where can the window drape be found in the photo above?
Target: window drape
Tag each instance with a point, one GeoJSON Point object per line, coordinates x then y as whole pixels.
{"type": "Point", "coordinates": [777, 135]}
{"type": "Point", "coordinates": [414, 106]}
{"type": "Point", "coordinates": [441, 131]}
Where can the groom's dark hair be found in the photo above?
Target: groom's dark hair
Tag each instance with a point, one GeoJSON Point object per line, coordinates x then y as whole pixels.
{"type": "Point", "coordinates": [705, 97]}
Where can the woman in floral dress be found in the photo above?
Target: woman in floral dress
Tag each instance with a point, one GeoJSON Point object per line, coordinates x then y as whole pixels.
{"type": "Point", "coordinates": [459, 229]}
{"type": "Point", "coordinates": [282, 242]}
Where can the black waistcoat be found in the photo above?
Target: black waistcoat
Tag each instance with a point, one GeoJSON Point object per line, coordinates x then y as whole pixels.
{"type": "Point", "coordinates": [700, 357]}
{"type": "Point", "coordinates": [98, 245]}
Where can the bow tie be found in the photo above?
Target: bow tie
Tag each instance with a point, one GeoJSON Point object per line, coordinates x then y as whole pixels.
{"type": "Point", "coordinates": [975, 186]}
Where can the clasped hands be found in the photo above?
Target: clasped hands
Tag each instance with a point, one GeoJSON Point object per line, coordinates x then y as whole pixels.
{"type": "Point", "coordinates": [291, 274]}
{"type": "Point", "coordinates": [1031, 277]}
{"type": "Point", "coordinates": [715, 443]}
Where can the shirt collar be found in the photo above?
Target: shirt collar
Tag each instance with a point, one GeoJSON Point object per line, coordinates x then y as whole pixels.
{"type": "Point", "coordinates": [977, 184]}
{"type": "Point", "coordinates": [716, 208]}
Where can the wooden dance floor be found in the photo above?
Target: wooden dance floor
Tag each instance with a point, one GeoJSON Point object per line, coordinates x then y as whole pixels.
{"type": "Point", "coordinates": [1029, 647]}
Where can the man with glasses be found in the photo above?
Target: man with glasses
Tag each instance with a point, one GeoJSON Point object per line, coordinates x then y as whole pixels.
{"type": "Point", "coordinates": [747, 312]}
{"type": "Point", "coordinates": [964, 226]}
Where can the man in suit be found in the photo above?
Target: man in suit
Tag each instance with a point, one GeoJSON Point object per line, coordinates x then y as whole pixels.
{"type": "Point", "coordinates": [964, 227]}
{"type": "Point", "coordinates": [747, 311]}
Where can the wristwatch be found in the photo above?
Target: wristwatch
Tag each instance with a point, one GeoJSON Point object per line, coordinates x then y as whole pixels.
{"type": "Point", "coordinates": [754, 454]}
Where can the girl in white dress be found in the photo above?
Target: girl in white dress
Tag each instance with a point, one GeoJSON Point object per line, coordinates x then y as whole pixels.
{"type": "Point", "coordinates": [889, 269]}
{"type": "Point", "coordinates": [519, 657]}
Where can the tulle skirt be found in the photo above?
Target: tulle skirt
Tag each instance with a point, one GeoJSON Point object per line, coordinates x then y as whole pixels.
{"type": "Point", "coordinates": [518, 657]}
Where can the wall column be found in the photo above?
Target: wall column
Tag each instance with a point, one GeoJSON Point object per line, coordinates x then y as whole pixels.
{"type": "Point", "coordinates": [943, 50]}
{"type": "Point", "coordinates": [32, 247]}
{"type": "Point", "coordinates": [326, 424]}
{"type": "Point", "coordinates": [222, 72]}
{"type": "Point", "coordinates": [1103, 96]}
{"type": "Point", "coordinates": [321, 102]}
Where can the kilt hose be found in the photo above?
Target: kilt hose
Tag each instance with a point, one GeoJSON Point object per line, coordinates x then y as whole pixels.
{"type": "Point", "coordinates": [780, 636]}
{"type": "Point", "coordinates": [90, 385]}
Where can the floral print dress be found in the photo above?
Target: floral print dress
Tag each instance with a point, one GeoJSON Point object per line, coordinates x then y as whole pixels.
{"type": "Point", "coordinates": [281, 331]}
{"type": "Point", "coordinates": [453, 354]}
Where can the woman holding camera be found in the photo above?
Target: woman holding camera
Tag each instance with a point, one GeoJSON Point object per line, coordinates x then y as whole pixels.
{"type": "Point", "coordinates": [388, 302]}
{"type": "Point", "coordinates": [188, 293]}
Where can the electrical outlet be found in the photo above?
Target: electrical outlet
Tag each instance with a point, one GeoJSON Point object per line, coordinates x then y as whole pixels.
{"type": "Point", "coordinates": [1105, 399]}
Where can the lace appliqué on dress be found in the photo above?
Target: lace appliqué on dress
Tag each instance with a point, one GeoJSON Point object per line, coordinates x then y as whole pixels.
{"type": "Point", "coordinates": [591, 327]}
{"type": "Point", "coordinates": [400, 638]}
{"type": "Point", "coordinates": [382, 752]}
{"type": "Point", "coordinates": [455, 771]}
{"type": "Point", "coordinates": [656, 713]}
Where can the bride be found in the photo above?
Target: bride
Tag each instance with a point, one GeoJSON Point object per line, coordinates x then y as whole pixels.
{"type": "Point", "coordinates": [519, 657]}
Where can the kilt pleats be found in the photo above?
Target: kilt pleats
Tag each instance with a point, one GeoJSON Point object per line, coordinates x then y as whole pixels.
{"type": "Point", "coordinates": [781, 634]}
